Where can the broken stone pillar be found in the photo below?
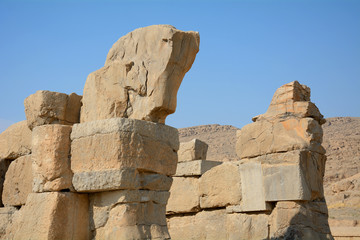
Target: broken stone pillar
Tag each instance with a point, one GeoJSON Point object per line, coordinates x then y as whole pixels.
{"type": "Point", "coordinates": [142, 74]}
{"type": "Point", "coordinates": [126, 165]}
{"type": "Point", "coordinates": [284, 145]}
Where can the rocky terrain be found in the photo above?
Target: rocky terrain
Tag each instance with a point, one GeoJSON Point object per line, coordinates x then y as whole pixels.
{"type": "Point", "coordinates": [342, 175]}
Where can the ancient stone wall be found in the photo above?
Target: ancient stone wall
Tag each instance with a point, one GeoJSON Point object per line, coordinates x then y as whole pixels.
{"type": "Point", "coordinates": [105, 166]}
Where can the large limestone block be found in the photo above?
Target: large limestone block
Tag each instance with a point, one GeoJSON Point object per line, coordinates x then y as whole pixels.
{"type": "Point", "coordinates": [240, 226]}
{"type": "Point", "coordinates": [184, 196]}
{"type": "Point", "coordinates": [192, 150]}
{"type": "Point", "coordinates": [105, 147]}
{"type": "Point", "coordinates": [142, 74]}
{"type": "Point", "coordinates": [264, 137]}
{"type": "Point", "coordinates": [252, 187]}
{"type": "Point", "coordinates": [52, 215]}
{"type": "Point", "coordinates": [129, 215]}
{"type": "Point", "coordinates": [6, 215]}
{"type": "Point", "coordinates": [102, 203]}
{"type": "Point", "coordinates": [45, 107]}
{"type": "Point", "coordinates": [301, 178]}
{"type": "Point", "coordinates": [220, 186]}
{"type": "Point", "coordinates": [4, 165]}
{"type": "Point", "coordinates": [50, 158]}
{"type": "Point", "coordinates": [194, 168]}
{"type": "Point", "coordinates": [15, 141]}
{"type": "Point", "coordinates": [18, 182]}
{"type": "Point", "coordinates": [299, 220]}
{"type": "Point", "coordinates": [209, 225]}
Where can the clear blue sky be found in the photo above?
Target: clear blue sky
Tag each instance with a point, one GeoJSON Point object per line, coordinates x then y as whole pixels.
{"type": "Point", "coordinates": [247, 50]}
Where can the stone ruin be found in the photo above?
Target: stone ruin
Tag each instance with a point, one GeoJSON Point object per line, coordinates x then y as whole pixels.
{"type": "Point", "coordinates": [105, 166]}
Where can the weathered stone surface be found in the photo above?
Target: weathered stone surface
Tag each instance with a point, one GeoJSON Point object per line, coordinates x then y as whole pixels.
{"type": "Point", "coordinates": [6, 215]}
{"type": "Point", "coordinates": [114, 144]}
{"type": "Point", "coordinates": [45, 107]}
{"type": "Point", "coordinates": [252, 187]}
{"type": "Point", "coordinates": [50, 158]}
{"type": "Point", "coordinates": [220, 186]}
{"type": "Point", "coordinates": [291, 100]}
{"type": "Point", "coordinates": [102, 203]}
{"type": "Point", "coordinates": [192, 150]}
{"type": "Point", "coordinates": [51, 215]}
{"type": "Point", "coordinates": [209, 225]}
{"type": "Point", "coordinates": [194, 168]}
{"type": "Point", "coordinates": [241, 226]}
{"type": "Point", "coordinates": [154, 181]}
{"type": "Point", "coordinates": [106, 180]}
{"type": "Point", "coordinates": [4, 165]}
{"type": "Point", "coordinates": [142, 74]}
{"type": "Point", "coordinates": [18, 182]}
{"type": "Point", "coordinates": [184, 196]}
{"type": "Point", "coordinates": [299, 220]}
{"type": "Point", "coordinates": [129, 215]}
{"type": "Point", "coordinates": [15, 141]}
{"type": "Point", "coordinates": [299, 177]}
{"type": "Point", "coordinates": [264, 137]}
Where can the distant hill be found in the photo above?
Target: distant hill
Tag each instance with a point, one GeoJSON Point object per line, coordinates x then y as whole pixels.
{"type": "Point", "coordinates": [342, 174]}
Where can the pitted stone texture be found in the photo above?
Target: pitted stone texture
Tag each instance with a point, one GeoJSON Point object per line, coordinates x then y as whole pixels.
{"type": "Point", "coordinates": [220, 186]}
{"type": "Point", "coordinates": [129, 214]}
{"type": "Point", "coordinates": [6, 215]}
{"type": "Point", "coordinates": [184, 196]}
{"type": "Point", "coordinates": [18, 182]}
{"type": "Point", "coordinates": [300, 220]}
{"type": "Point", "coordinates": [296, 175]}
{"type": "Point", "coordinates": [50, 158]}
{"type": "Point", "coordinates": [192, 150]}
{"type": "Point", "coordinates": [114, 144]}
{"type": "Point", "coordinates": [194, 168]}
{"type": "Point", "coordinates": [205, 225]}
{"type": "Point", "coordinates": [142, 74]}
{"type": "Point", "coordinates": [45, 107]}
{"type": "Point", "coordinates": [52, 215]}
{"type": "Point", "coordinates": [15, 141]}
{"type": "Point", "coordinates": [264, 137]}
{"type": "Point", "coordinates": [241, 226]}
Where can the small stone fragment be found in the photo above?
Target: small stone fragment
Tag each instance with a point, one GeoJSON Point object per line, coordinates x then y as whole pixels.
{"type": "Point", "coordinates": [192, 150]}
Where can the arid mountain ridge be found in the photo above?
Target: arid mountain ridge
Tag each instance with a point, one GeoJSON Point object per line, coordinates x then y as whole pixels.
{"type": "Point", "coordinates": [342, 176]}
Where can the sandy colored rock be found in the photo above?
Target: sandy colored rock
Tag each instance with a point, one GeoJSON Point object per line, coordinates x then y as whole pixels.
{"type": "Point", "coordinates": [252, 188]}
{"type": "Point", "coordinates": [300, 177]}
{"type": "Point", "coordinates": [192, 150]}
{"type": "Point", "coordinates": [4, 165]}
{"type": "Point", "coordinates": [129, 215]}
{"type": "Point", "coordinates": [6, 215]}
{"type": "Point", "coordinates": [50, 158]}
{"type": "Point", "coordinates": [142, 74]}
{"type": "Point", "coordinates": [52, 215]}
{"type": "Point", "coordinates": [300, 220]}
{"type": "Point", "coordinates": [194, 168]}
{"type": "Point", "coordinates": [263, 137]}
{"type": "Point", "coordinates": [115, 144]}
{"type": "Point", "coordinates": [45, 107]}
{"type": "Point", "coordinates": [18, 182]}
{"type": "Point", "coordinates": [291, 100]}
{"type": "Point", "coordinates": [241, 226]}
{"type": "Point", "coordinates": [153, 181]}
{"type": "Point", "coordinates": [184, 196]}
{"type": "Point", "coordinates": [220, 186]}
{"type": "Point", "coordinates": [209, 225]}
{"type": "Point", "coordinates": [15, 141]}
